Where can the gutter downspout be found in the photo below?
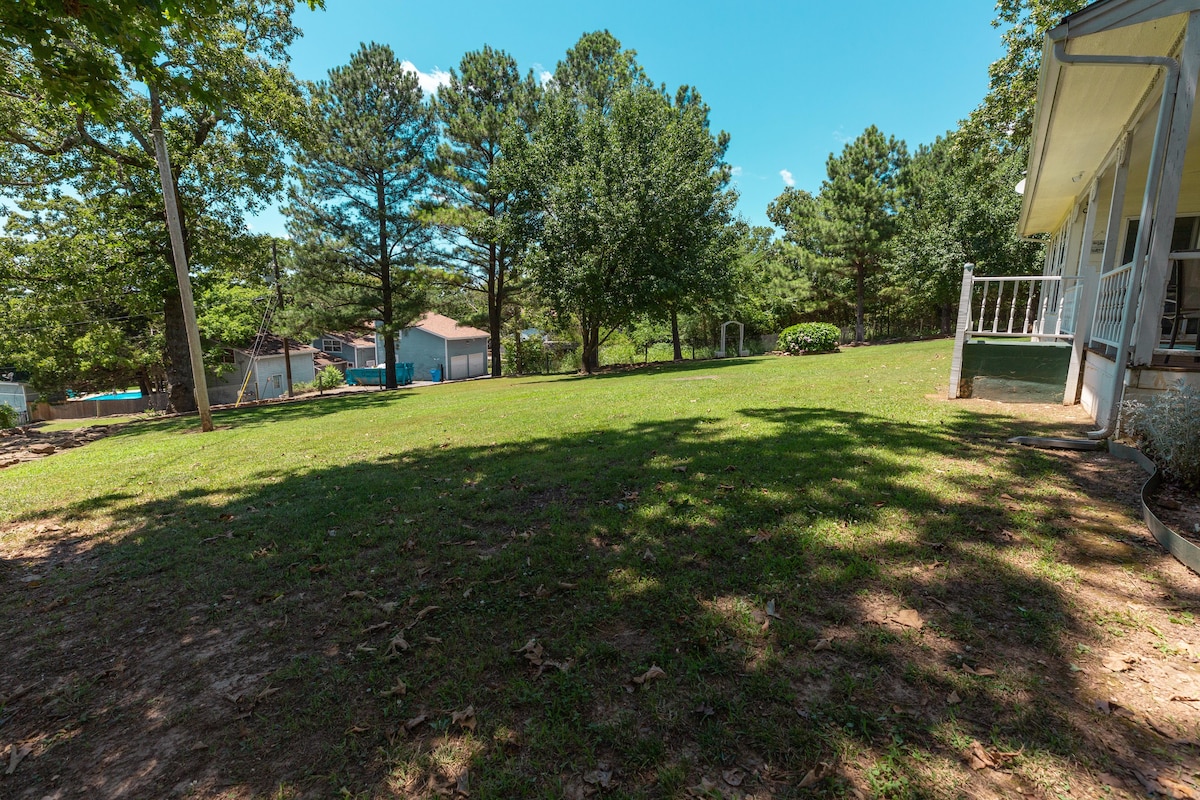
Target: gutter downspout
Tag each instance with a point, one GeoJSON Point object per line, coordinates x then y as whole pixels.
{"type": "Point", "coordinates": [1162, 130]}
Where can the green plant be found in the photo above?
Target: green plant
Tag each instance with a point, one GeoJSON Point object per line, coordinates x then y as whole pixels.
{"type": "Point", "coordinates": [810, 337]}
{"type": "Point", "coordinates": [525, 358]}
{"type": "Point", "coordinates": [1168, 430]}
{"type": "Point", "coordinates": [329, 378]}
{"type": "Point", "coordinates": [8, 416]}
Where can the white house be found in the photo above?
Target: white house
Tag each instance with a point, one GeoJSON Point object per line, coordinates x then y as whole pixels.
{"type": "Point", "coordinates": [1114, 146]}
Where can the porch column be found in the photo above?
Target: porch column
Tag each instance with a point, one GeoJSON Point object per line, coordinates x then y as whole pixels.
{"type": "Point", "coordinates": [1083, 298]}
{"type": "Point", "coordinates": [1112, 233]}
{"type": "Point", "coordinates": [1158, 265]}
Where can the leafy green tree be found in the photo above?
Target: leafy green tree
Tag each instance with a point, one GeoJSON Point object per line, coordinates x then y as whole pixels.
{"type": "Point", "coordinates": [691, 211]}
{"type": "Point", "coordinates": [622, 177]}
{"type": "Point", "coordinates": [848, 225]}
{"type": "Point", "coordinates": [356, 212]}
{"type": "Point", "coordinates": [960, 207]}
{"type": "Point", "coordinates": [223, 101]}
{"type": "Point", "coordinates": [485, 102]}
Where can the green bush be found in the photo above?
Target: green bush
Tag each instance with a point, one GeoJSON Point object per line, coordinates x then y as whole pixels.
{"type": "Point", "coordinates": [526, 358]}
{"type": "Point", "coordinates": [1167, 429]}
{"type": "Point", "coordinates": [329, 378]}
{"type": "Point", "coordinates": [8, 416]}
{"type": "Point", "coordinates": [810, 337]}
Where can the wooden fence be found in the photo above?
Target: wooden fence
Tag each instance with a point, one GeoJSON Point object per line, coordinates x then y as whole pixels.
{"type": "Point", "coordinates": [84, 409]}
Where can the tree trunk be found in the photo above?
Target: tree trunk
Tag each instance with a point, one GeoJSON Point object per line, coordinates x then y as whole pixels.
{"type": "Point", "coordinates": [385, 286]}
{"type": "Point", "coordinates": [675, 343]}
{"type": "Point", "coordinates": [181, 397]}
{"type": "Point", "coordinates": [143, 383]}
{"type": "Point", "coordinates": [859, 303]}
{"type": "Point", "coordinates": [495, 292]}
{"type": "Point", "coordinates": [591, 347]}
{"type": "Point", "coordinates": [947, 317]}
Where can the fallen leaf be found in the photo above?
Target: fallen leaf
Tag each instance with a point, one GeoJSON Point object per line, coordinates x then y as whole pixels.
{"type": "Point", "coordinates": [1007, 497]}
{"type": "Point", "coordinates": [651, 674]}
{"type": "Point", "coordinates": [463, 785]}
{"type": "Point", "coordinates": [1184, 699]}
{"type": "Point", "coordinates": [16, 755]}
{"type": "Point", "coordinates": [908, 618]}
{"type": "Point", "coordinates": [816, 774]}
{"type": "Point", "coordinates": [680, 469]}
{"type": "Point", "coordinates": [464, 718]}
{"type": "Point", "coordinates": [424, 612]}
{"type": "Point", "coordinates": [599, 777]}
{"type": "Point", "coordinates": [953, 699]}
{"type": "Point", "coordinates": [397, 644]}
{"type": "Point", "coordinates": [771, 612]}
{"type": "Point", "coordinates": [978, 757]}
{"type": "Point", "coordinates": [415, 722]}
{"type": "Point", "coordinates": [355, 595]}
{"type": "Point", "coordinates": [733, 777]}
{"type": "Point", "coordinates": [388, 607]}
{"type": "Point", "coordinates": [760, 537]}
{"type": "Point", "coordinates": [376, 627]}
{"type": "Point", "coordinates": [1120, 662]}
{"type": "Point", "coordinates": [823, 644]}
{"type": "Point", "coordinates": [399, 690]}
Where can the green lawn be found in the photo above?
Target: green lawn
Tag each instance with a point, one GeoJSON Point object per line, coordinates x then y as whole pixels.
{"type": "Point", "coordinates": [304, 602]}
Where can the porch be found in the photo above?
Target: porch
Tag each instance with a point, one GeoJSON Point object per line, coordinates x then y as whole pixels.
{"type": "Point", "coordinates": [1113, 145]}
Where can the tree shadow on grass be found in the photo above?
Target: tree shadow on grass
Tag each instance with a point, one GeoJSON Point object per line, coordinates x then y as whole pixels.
{"type": "Point", "coordinates": [329, 628]}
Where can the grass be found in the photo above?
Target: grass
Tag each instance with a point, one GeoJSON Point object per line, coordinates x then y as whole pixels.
{"type": "Point", "coordinates": [232, 612]}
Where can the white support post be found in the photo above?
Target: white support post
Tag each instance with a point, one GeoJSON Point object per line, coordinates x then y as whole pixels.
{"type": "Point", "coordinates": [1158, 265]}
{"type": "Point", "coordinates": [1085, 309]}
{"type": "Point", "coordinates": [960, 331]}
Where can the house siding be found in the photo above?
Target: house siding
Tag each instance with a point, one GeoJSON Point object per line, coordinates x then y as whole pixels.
{"type": "Point", "coordinates": [225, 389]}
{"type": "Point", "coordinates": [424, 350]}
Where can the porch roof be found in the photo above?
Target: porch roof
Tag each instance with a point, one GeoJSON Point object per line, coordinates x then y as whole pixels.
{"type": "Point", "coordinates": [1083, 110]}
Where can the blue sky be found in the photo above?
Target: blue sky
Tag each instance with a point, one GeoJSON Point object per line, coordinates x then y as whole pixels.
{"type": "Point", "coordinates": [790, 81]}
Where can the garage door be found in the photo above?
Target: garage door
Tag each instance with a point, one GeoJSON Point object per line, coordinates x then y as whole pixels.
{"type": "Point", "coordinates": [458, 367]}
{"type": "Point", "coordinates": [476, 364]}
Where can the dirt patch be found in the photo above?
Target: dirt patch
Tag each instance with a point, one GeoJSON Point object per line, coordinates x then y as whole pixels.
{"type": "Point", "coordinates": [18, 445]}
{"type": "Point", "coordinates": [1179, 510]}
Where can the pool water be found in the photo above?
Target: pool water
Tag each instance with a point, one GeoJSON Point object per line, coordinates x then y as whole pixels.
{"type": "Point", "coordinates": [117, 396]}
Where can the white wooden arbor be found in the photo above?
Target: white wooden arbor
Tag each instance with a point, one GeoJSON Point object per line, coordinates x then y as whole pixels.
{"type": "Point", "coordinates": [741, 351]}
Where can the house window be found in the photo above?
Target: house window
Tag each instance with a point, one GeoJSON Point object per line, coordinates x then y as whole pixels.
{"type": "Point", "coordinates": [331, 346]}
{"type": "Point", "coordinates": [1183, 237]}
{"type": "Point", "coordinates": [227, 357]}
{"type": "Point", "coordinates": [275, 382]}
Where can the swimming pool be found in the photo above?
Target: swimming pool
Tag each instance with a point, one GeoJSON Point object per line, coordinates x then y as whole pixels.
{"type": "Point", "coordinates": [117, 396]}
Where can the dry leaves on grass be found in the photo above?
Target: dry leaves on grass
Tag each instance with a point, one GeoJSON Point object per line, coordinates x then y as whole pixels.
{"type": "Point", "coordinates": [817, 774]}
{"type": "Point", "coordinates": [464, 718]}
{"type": "Point", "coordinates": [823, 644]}
{"type": "Point", "coordinates": [16, 754]}
{"type": "Point", "coordinates": [399, 690]}
{"type": "Point", "coordinates": [982, 672]}
{"type": "Point", "coordinates": [733, 777]}
{"type": "Point", "coordinates": [953, 699]}
{"type": "Point", "coordinates": [1120, 662]}
{"type": "Point", "coordinates": [535, 655]}
{"type": "Point", "coordinates": [601, 776]}
{"type": "Point", "coordinates": [979, 758]}
{"type": "Point", "coordinates": [654, 673]}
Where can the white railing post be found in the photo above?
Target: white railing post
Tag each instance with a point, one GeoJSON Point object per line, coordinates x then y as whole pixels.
{"type": "Point", "coordinates": [960, 332]}
{"type": "Point", "coordinates": [1085, 305]}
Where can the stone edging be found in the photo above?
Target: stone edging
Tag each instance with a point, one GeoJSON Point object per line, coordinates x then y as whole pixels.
{"type": "Point", "coordinates": [1186, 551]}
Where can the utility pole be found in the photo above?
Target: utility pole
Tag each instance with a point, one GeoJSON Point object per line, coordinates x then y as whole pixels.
{"type": "Point", "coordinates": [200, 384]}
{"type": "Point", "coordinates": [287, 356]}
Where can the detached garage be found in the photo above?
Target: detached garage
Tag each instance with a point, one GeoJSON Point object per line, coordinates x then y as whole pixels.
{"type": "Point", "coordinates": [437, 342]}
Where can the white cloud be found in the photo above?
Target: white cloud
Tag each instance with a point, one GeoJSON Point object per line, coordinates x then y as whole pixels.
{"type": "Point", "coordinates": [429, 82]}
{"type": "Point", "coordinates": [735, 172]}
{"type": "Point", "coordinates": [788, 180]}
{"type": "Point", "coordinates": [545, 76]}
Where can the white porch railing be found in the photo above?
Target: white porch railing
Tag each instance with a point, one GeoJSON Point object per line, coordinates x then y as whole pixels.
{"type": "Point", "coordinates": [1035, 307]}
{"type": "Point", "coordinates": [1019, 307]}
{"type": "Point", "coordinates": [1110, 306]}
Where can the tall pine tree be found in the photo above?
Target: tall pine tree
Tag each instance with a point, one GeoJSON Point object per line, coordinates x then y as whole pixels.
{"type": "Point", "coordinates": [485, 102]}
{"type": "Point", "coordinates": [356, 212]}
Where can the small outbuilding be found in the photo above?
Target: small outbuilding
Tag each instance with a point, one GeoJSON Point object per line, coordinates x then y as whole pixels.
{"type": "Point", "coordinates": [436, 342]}
{"type": "Point", "coordinates": [258, 371]}
{"type": "Point", "coordinates": [356, 350]}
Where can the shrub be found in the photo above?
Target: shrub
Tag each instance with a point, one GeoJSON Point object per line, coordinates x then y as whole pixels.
{"type": "Point", "coordinates": [1167, 429]}
{"type": "Point", "coordinates": [8, 416]}
{"type": "Point", "coordinates": [810, 337]}
{"type": "Point", "coordinates": [526, 358]}
{"type": "Point", "coordinates": [329, 378]}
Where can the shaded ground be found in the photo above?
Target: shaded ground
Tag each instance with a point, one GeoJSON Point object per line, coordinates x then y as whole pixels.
{"type": "Point", "coordinates": [758, 600]}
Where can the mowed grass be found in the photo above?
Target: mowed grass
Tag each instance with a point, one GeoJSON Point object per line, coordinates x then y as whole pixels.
{"type": "Point", "coordinates": [453, 589]}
